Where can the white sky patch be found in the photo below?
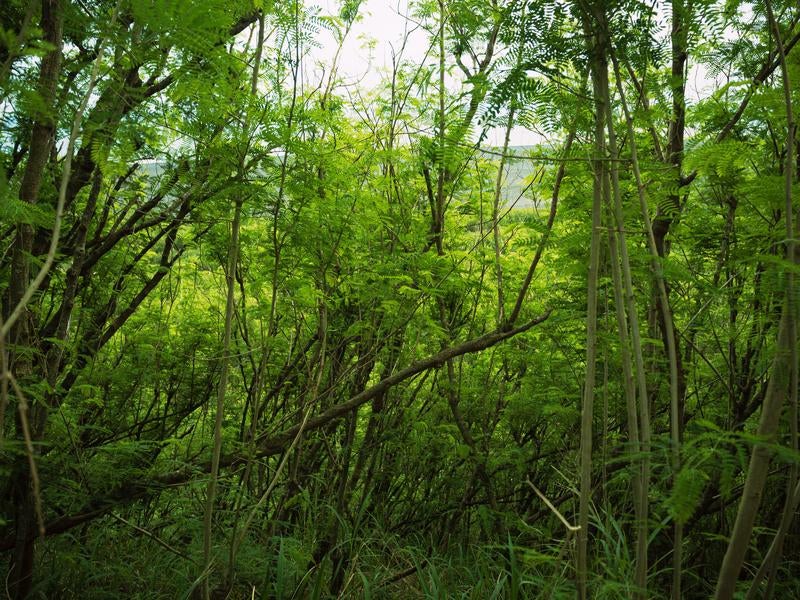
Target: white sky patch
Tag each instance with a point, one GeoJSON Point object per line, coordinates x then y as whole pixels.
{"type": "Point", "coordinates": [366, 55]}
{"type": "Point", "coordinates": [384, 30]}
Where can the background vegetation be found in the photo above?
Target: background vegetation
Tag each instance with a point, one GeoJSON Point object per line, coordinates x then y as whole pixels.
{"type": "Point", "coordinates": [269, 334]}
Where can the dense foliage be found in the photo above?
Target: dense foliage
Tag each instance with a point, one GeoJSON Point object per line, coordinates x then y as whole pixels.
{"type": "Point", "coordinates": [266, 333]}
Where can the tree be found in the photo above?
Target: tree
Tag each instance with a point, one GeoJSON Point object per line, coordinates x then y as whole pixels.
{"type": "Point", "coordinates": [268, 332]}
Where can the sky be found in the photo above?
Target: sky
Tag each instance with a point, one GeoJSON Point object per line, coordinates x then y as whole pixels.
{"type": "Point", "coordinates": [386, 22]}
{"type": "Point", "coordinates": [367, 53]}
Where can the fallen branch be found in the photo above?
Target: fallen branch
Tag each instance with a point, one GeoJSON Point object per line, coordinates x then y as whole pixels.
{"type": "Point", "coordinates": [567, 524]}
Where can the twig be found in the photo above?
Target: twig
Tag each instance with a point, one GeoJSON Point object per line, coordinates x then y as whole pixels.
{"type": "Point", "coordinates": [402, 574]}
{"type": "Point", "coordinates": [153, 537]}
{"type": "Point", "coordinates": [549, 504]}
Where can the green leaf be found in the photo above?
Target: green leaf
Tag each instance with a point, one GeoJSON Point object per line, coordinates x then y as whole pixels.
{"type": "Point", "coordinates": [13, 210]}
{"type": "Point", "coordinates": [687, 492]}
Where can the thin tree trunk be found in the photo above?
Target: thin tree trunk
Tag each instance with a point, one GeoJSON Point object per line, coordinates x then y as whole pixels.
{"type": "Point", "coordinates": [21, 332]}
{"type": "Point", "coordinates": [772, 559]}
{"type": "Point", "coordinates": [438, 208]}
{"type": "Point", "coordinates": [599, 64]}
{"type": "Point", "coordinates": [498, 190]}
{"type": "Point", "coordinates": [230, 276]}
{"type": "Point", "coordinates": [777, 392]}
{"type": "Point", "coordinates": [791, 502]}
{"type": "Point", "coordinates": [675, 144]}
{"type": "Point", "coordinates": [669, 330]}
{"type": "Point", "coordinates": [641, 482]}
{"type": "Point", "coordinates": [782, 378]}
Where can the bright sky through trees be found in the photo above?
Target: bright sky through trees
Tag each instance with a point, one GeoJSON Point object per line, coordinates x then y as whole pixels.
{"type": "Point", "coordinates": [383, 25]}
{"type": "Point", "coordinates": [383, 30]}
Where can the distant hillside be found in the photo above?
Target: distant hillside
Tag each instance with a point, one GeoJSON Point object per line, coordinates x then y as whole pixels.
{"type": "Point", "coordinates": [517, 172]}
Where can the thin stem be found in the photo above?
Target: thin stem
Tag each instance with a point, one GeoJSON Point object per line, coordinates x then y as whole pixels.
{"type": "Point", "coordinates": [666, 313]}
{"type": "Point", "coordinates": [233, 258]}
{"type": "Point", "coordinates": [599, 65]}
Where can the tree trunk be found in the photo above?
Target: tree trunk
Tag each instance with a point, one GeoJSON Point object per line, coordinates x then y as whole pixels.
{"type": "Point", "coordinates": [599, 66]}
{"type": "Point", "coordinates": [22, 363]}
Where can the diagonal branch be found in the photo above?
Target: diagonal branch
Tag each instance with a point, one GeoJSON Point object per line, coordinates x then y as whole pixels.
{"type": "Point", "coordinates": [131, 491]}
